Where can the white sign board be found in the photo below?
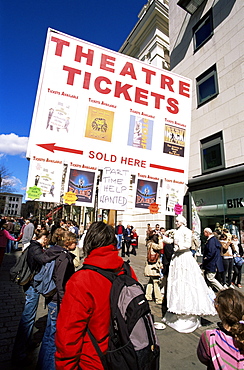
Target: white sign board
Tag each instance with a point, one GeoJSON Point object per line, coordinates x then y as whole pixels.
{"type": "Point", "coordinates": [45, 175]}
{"type": "Point", "coordinates": [102, 108]}
{"type": "Point", "coordinates": [114, 189]}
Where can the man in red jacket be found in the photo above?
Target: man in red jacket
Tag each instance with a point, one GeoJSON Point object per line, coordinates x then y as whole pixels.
{"type": "Point", "coordinates": [87, 302]}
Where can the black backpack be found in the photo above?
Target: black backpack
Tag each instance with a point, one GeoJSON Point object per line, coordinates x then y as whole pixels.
{"type": "Point", "coordinates": [133, 344]}
{"type": "Point", "coordinates": [21, 273]}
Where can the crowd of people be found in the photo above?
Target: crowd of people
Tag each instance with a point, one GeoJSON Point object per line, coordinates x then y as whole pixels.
{"type": "Point", "coordinates": [127, 239]}
{"type": "Point", "coordinates": [222, 259]}
{"type": "Point", "coordinates": [184, 289]}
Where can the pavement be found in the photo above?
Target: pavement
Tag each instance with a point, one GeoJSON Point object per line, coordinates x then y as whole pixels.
{"type": "Point", "coordinates": [178, 351]}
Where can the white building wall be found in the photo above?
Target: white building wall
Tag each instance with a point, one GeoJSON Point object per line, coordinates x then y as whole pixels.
{"type": "Point", "coordinates": [12, 205]}
{"type": "Point", "coordinates": [225, 49]}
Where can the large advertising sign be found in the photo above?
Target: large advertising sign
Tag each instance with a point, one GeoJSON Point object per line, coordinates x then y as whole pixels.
{"type": "Point", "coordinates": [100, 108]}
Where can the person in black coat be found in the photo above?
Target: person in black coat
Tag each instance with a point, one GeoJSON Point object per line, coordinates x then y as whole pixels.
{"type": "Point", "coordinates": [212, 261]}
{"type": "Point", "coordinates": [37, 256]}
{"type": "Point", "coordinates": [127, 239]}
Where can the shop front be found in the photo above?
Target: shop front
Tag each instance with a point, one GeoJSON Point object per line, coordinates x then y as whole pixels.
{"type": "Point", "coordinates": [219, 201]}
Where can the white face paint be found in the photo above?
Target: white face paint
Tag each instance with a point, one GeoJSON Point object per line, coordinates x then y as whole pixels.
{"type": "Point", "coordinates": [178, 223]}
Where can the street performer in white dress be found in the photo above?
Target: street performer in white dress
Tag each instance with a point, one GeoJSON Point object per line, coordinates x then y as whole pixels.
{"type": "Point", "coordinates": [188, 296]}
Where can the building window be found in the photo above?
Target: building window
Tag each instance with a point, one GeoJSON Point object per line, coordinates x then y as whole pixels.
{"type": "Point", "coordinates": [212, 153]}
{"type": "Point", "coordinates": [207, 86]}
{"type": "Point", "coordinates": [203, 30]}
{"type": "Point", "coordinates": [190, 5]}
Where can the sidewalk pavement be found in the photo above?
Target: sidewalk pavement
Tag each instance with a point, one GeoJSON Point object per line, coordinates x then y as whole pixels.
{"type": "Point", "coordinates": [178, 351]}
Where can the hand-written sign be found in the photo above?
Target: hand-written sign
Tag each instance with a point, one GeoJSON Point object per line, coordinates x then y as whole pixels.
{"type": "Point", "coordinates": [70, 198]}
{"type": "Point", "coordinates": [113, 189]}
{"type": "Point", "coordinates": [153, 208]}
{"type": "Point", "coordinates": [34, 192]}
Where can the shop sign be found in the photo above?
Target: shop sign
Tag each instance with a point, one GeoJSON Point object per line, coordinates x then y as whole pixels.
{"type": "Point", "coordinates": [235, 203]}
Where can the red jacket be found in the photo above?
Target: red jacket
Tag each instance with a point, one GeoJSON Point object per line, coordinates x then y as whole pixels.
{"type": "Point", "coordinates": [86, 300]}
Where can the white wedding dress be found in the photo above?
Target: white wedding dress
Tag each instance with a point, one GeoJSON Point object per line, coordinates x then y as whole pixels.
{"type": "Point", "coordinates": [188, 296]}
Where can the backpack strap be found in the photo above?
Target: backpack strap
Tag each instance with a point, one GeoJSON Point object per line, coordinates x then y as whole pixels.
{"type": "Point", "coordinates": [97, 348]}
{"type": "Point", "coordinates": [108, 273]}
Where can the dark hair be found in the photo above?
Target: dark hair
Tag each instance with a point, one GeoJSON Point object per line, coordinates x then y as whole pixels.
{"type": "Point", "coordinates": [230, 307]}
{"type": "Point", "coordinates": [223, 236]}
{"type": "Point", "coordinates": [40, 233]}
{"type": "Point", "coordinates": [155, 238]}
{"type": "Point", "coordinates": [99, 235]}
{"type": "Point", "coordinates": [3, 223]}
{"type": "Point", "coordinates": [151, 234]}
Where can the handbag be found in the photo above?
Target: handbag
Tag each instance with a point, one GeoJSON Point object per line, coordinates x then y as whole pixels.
{"type": "Point", "coordinates": [238, 261]}
{"type": "Point", "coordinates": [152, 256]}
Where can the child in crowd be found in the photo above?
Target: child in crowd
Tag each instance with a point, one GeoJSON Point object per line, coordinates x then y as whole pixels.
{"type": "Point", "coordinates": [223, 348]}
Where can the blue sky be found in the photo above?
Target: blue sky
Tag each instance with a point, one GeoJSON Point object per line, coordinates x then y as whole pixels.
{"type": "Point", "coordinates": [23, 30]}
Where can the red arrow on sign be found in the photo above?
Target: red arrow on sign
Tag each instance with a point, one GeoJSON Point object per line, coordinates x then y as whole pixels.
{"type": "Point", "coordinates": [51, 147]}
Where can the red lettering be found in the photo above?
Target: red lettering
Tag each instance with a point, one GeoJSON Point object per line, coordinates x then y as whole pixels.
{"type": "Point", "coordinates": [167, 81]}
{"type": "Point", "coordinates": [79, 54]}
{"type": "Point", "coordinates": [128, 69]}
{"type": "Point", "coordinates": [87, 79]}
{"type": "Point", "coordinates": [122, 90]}
{"type": "Point", "coordinates": [133, 162]}
{"type": "Point", "coordinates": [71, 74]}
{"type": "Point", "coordinates": [184, 89]}
{"type": "Point", "coordinates": [141, 94]}
{"type": "Point", "coordinates": [173, 106]}
{"type": "Point", "coordinates": [91, 154]}
{"type": "Point", "coordinates": [158, 98]}
{"type": "Point", "coordinates": [59, 46]}
{"type": "Point", "coordinates": [107, 60]}
{"type": "Point", "coordinates": [105, 158]}
{"type": "Point", "coordinates": [148, 75]}
{"type": "Point", "coordinates": [99, 156]}
{"type": "Point", "coordinates": [97, 84]}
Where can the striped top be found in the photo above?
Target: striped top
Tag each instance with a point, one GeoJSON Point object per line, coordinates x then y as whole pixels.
{"type": "Point", "coordinates": [216, 350]}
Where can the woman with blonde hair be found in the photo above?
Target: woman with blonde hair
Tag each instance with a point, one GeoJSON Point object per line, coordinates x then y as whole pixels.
{"type": "Point", "coordinates": [223, 348]}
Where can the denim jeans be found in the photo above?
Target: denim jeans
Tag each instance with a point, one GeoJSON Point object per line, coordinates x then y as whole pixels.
{"type": "Point", "coordinates": [48, 348]}
{"type": "Point", "coordinates": [26, 324]}
{"type": "Point", "coordinates": [119, 238]}
{"type": "Point", "coordinates": [10, 245]}
{"type": "Point", "coordinates": [228, 267]}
